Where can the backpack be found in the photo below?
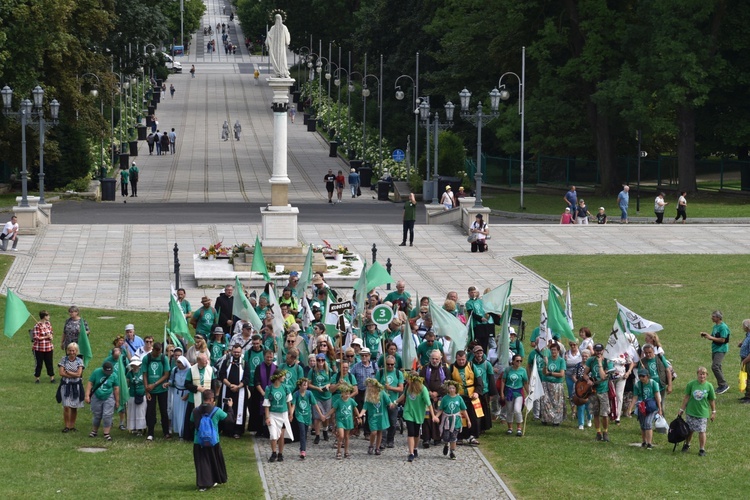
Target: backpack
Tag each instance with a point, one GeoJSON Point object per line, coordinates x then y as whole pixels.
{"type": "Point", "coordinates": [207, 435]}
{"type": "Point", "coordinates": [678, 431]}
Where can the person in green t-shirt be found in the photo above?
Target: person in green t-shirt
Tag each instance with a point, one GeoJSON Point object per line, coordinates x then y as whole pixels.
{"type": "Point", "coordinates": [453, 409]}
{"type": "Point", "coordinates": [377, 403]}
{"type": "Point", "coordinates": [400, 297]}
{"type": "Point", "coordinates": [699, 396]}
{"type": "Point", "coordinates": [428, 345]}
{"type": "Point", "coordinates": [155, 377]}
{"type": "Point", "coordinates": [346, 413]}
{"type": "Point", "coordinates": [645, 390]}
{"type": "Point", "coordinates": [136, 412]}
{"type": "Point", "coordinates": [124, 178]}
{"type": "Point", "coordinates": [217, 346]}
{"type": "Point", "coordinates": [303, 401]}
{"type": "Point", "coordinates": [514, 380]}
{"type": "Point", "coordinates": [719, 338]}
{"type": "Point", "coordinates": [204, 318]}
{"type": "Point", "coordinates": [597, 373]}
{"type": "Point", "coordinates": [410, 216]}
{"type": "Point", "coordinates": [321, 379]}
{"type": "Point", "coordinates": [416, 400]}
{"type": "Point", "coordinates": [277, 404]}
{"type": "Point", "coordinates": [553, 402]}
{"type": "Point", "coordinates": [103, 393]}
{"type": "Point", "coordinates": [393, 381]}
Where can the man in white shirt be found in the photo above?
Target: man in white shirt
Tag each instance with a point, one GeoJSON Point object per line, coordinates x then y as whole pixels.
{"type": "Point", "coordinates": [10, 232]}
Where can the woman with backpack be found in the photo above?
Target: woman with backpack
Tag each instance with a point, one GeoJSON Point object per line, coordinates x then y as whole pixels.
{"type": "Point", "coordinates": [210, 469]}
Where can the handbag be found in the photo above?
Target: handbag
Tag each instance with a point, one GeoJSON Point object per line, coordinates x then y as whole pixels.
{"type": "Point", "coordinates": [743, 378]}
{"type": "Point", "coordinates": [473, 237]}
{"type": "Point", "coordinates": [138, 399]}
{"type": "Point", "coordinates": [651, 405]}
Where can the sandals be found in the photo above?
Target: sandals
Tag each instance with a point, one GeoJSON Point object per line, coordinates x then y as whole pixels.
{"type": "Point", "coordinates": [107, 437]}
{"type": "Point", "coordinates": [66, 430]}
{"type": "Point", "coordinates": [473, 440]}
{"type": "Point", "coordinates": [93, 434]}
{"type": "Point", "coordinates": [346, 455]}
{"type": "Point", "coordinates": [338, 455]}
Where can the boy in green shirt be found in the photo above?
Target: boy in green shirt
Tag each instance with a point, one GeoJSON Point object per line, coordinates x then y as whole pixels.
{"type": "Point", "coordinates": [303, 402]}
{"type": "Point", "coordinates": [597, 373]}
{"type": "Point", "coordinates": [277, 404]}
{"type": "Point", "coordinates": [346, 413]}
{"type": "Point", "coordinates": [102, 392]}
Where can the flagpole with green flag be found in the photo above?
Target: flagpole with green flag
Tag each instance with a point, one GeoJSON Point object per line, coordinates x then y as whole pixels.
{"type": "Point", "coordinates": [259, 263]}
{"type": "Point", "coordinates": [123, 381]}
{"type": "Point", "coordinates": [177, 322]}
{"type": "Point", "coordinates": [16, 314]}
{"type": "Point", "coordinates": [558, 321]}
{"type": "Point", "coordinates": [242, 308]}
{"type": "Point", "coordinates": [377, 276]}
{"type": "Point", "coordinates": [84, 346]}
{"type": "Point", "coordinates": [306, 276]}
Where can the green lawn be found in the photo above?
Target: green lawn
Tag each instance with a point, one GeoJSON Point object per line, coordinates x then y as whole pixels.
{"type": "Point", "coordinates": [41, 462]}
{"type": "Point", "coordinates": [703, 204]}
{"type": "Point", "coordinates": [679, 292]}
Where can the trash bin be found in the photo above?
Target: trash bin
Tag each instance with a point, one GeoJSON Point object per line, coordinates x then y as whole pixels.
{"type": "Point", "coordinates": [365, 176]}
{"type": "Point", "coordinates": [312, 124]}
{"type": "Point", "coordinates": [333, 151]}
{"type": "Point", "coordinates": [383, 189]}
{"type": "Point", "coordinates": [295, 96]}
{"type": "Point", "coordinates": [108, 189]}
{"type": "Point", "coordinates": [133, 148]}
{"type": "Point", "coordinates": [356, 165]}
{"type": "Point", "coordinates": [142, 132]}
{"type": "Point", "coordinates": [157, 95]}
{"type": "Point", "coordinates": [300, 106]}
{"type": "Point", "coordinates": [124, 161]}
{"type": "Point", "coordinates": [151, 110]}
{"type": "Point", "coordinates": [305, 118]}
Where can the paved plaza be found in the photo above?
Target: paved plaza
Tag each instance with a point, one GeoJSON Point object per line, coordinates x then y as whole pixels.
{"type": "Point", "coordinates": [130, 266]}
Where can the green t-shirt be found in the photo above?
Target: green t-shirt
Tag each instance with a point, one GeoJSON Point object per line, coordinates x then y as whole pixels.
{"type": "Point", "coordinates": [415, 406]}
{"type": "Point", "coordinates": [344, 413]}
{"type": "Point", "coordinates": [554, 365]}
{"type": "Point", "coordinates": [269, 343]}
{"type": "Point", "coordinates": [399, 361]}
{"type": "Point", "coordinates": [156, 368]}
{"type": "Point", "coordinates": [601, 384]}
{"type": "Point", "coordinates": [206, 319]}
{"type": "Point", "coordinates": [515, 378]}
{"type": "Point", "coordinates": [475, 307]}
{"type": "Point", "coordinates": [338, 378]}
{"type": "Point", "coordinates": [540, 360]}
{"type": "Point", "coordinates": [410, 210]}
{"type": "Point", "coordinates": [124, 176]}
{"type": "Point", "coordinates": [219, 414]}
{"type": "Point", "coordinates": [652, 367]}
{"type": "Point", "coordinates": [252, 360]}
{"type": "Point", "coordinates": [135, 382]}
{"type": "Point", "coordinates": [133, 171]}
{"type": "Point", "coordinates": [393, 379]}
{"type": "Point", "coordinates": [319, 379]}
{"type": "Point", "coordinates": [185, 306]}
{"type": "Point", "coordinates": [424, 349]}
{"type": "Point", "coordinates": [722, 331]}
{"type": "Point", "coordinates": [701, 395]}
{"type": "Point", "coordinates": [481, 371]}
{"type": "Point", "coordinates": [372, 341]}
{"type": "Point", "coordinates": [277, 398]}
{"type": "Point", "coordinates": [646, 391]}
{"type": "Point", "coordinates": [303, 406]}
{"type": "Point", "coordinates": [377, 413]}
{"type": "Point", "coordinates": [106, 383]}
{"type": "Point", "coordinates": [453, 405]}
{"type": "Point", "coordinates": [293, 374]}
{"type": "Point", "coordinates": [216, 349]}
{"type": "Point", "coordinates": [517, 348]}
{"type": "Point", "coordinates": [394, 296]}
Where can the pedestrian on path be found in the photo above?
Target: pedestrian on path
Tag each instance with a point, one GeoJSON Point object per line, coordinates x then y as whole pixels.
{"type": "Point", "coordinates": [150, 141]}
{"type": "Point", "coordinates": [681, 207]}
{"type": "Point", "coordinates": [157, 142]}
{"type": "Point", "coordinates": [329, 179]}
{"type": "Point", "coordinates": [623, 199]}
{"type": "Point", "coordinates": [659, 205]}
{"type": "Point", "coordinates": [277, 404]}
{"type": "Point", "coordinates": [340, 181]}
{"type": "Point", "coordinates": [416, 400]}
{"type": "Point", "coordinates": [192, 68]}
{"type": "Point", "coordinates": [256, 75]}
{"type": "Point", "coordinates": [10, 233]}
{"type": "Point", "coordinates": [164, 143]}
{"type": "Point", "coordinates": [237, 130]}
{"type": "Point", "coordinates": [134, 173]}
{"type": "Point", "coordinates": [292, 113]}
{"type": "Point", "coordinates": [410, 217]}
{"type": "Point", "coordinates": [171, 90]}
{"type": "Point", "coordinates": [172, 140]}
{"type": "Point", "coordinates": [225, 131]}
{"type": "Point", "coordinates": [124, 178]}
{"type": "Point", "coordinates": [354, 183]}
{"type": "Point", "coordinates": [210, 468]}
{"type": "Point", "coordinates": [346, 414]}
{"type": "Point", "coordinates": [303, 401]}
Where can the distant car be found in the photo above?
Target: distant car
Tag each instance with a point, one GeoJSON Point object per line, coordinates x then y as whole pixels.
{"type": "Point", "coordinates": [175, 66]}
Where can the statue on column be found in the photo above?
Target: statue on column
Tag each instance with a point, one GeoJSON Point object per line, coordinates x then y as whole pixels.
{"type": "Point", "coordinates": [277, 42]}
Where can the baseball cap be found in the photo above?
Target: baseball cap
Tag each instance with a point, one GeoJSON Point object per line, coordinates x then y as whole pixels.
{"type": "Point", "coordinates": [107, 367]}
{"type": "Point", "coordinates": [598, 347]}
{"type": "Point", "coordinates": [293, 274]}
{"type": "Point", "coordinates": [135, 361]}
{"type": "Point", "coordinates": [642, 372]}
{"type": "Point", "coordinates": [129, 326]}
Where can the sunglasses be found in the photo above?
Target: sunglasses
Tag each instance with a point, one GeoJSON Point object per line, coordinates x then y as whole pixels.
{"type": "Point", "coordinates": [148, 341]}
{"type": "Point", "coordinates": [350, 355]}
{"type": "Point", "coordinates": [290, 341]}
{"type": "Point", "coordinates": [390, 364]}
{"type": "Point", "coordinates": [320, 360]}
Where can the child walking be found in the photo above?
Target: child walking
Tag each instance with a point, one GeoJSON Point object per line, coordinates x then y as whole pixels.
{"type": "Point", "coordinates": [278, 407]}
{"type": "Point", "coordinates": [302, 405]}
{"type": "Point", "coordinates": [453, 409]}
{"type": "Point", "coordinates": [346, 413]}
{"type": "Point", "coordinates": [416, 401]}
{"type": "Point", "coordinates": [376, 407]}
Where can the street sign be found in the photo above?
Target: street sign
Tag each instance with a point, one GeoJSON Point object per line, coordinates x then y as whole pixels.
{"type": "Point", "coordinates": [382, 315]}
{"type": "Point", "coordinates": [398, 155]}
{"type": "Point", "coordinates": [338, 307]}
{"type": "Point", "coordinates": [644, 154]}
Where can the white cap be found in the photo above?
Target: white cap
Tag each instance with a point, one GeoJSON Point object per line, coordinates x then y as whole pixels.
{"type": "Point", "coordinates": [511, 330]}
{"type": "Point", "coordinates": [357, 342]}
{"type": "Point", "coordinates": [129, 326]}
{"type": "Point", "coordinates": [135, 360]}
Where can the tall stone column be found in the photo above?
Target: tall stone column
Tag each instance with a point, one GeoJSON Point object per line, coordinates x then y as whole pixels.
{"type": "Point", "coordinates": [280, 218]}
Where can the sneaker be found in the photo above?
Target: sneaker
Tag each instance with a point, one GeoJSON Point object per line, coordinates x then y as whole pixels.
{"type": "Point", "coordinates": [452, 456]}
{"type": "Point", "coordinates": [329, 201]}
{"type": "Point", "coordinates": [519, 433]}
{"type": "Point", "coordinates": [599, 436]}
{"type": "Point", "coordinates": [36, 381]}
{"type": "Point", "coordinates": [745, 398]}
{"type": "Point", "coordinates": [149, 438]}
{"type": "Point", "coordinates": [702, 453]}
{"type": "Point", "coordinates": [509, 431]}
{"type": "Point", "coordinates": [425, 445]}
{"type": "Point", "coordinates": [410, 459]}
{"type": "Point", "coordinates": [580, 427]}
{"type": "Point", "coordinates": [605, 437]}
{"type": "Point", "coordinates": [122, 427]}
{"type": "Point", "coordinates": [416, 453]}
{"type": "Point", "coordinates": [685, 448]}
{"type": "Point", "coordinates": [722, 389]}
{"type": "Point", "coordinates": [302, 455]}
{"type": "Point", "coordinates": [403, 244]}
{"type": "Point", "coordinates": [445, 449]}
{"type": "Point", "coordinates": [649, 447]}
{"type": "Point", "coordinates": [325, 435]}
{"type": "Point", "coordinates": [370, 450]}
{"type": "Point", "coordinates": [280, 458]}
{"type": "Point", "coordinates": [273, 458]}
{"type": "Point", "coordinates": [588, 424]}
{"type": "Point", "coordinates": [389, 445]}
{"type": "Point", "coordinates": [745, 402]}
{"type": "Point", "coordinates": [435, 442]}
{"type": "Point", "coordinates": [317, 440]}
{"type": "Point", "coordinates": [643, 444]}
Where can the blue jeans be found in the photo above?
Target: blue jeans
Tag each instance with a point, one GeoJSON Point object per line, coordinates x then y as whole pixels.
{"type": "Point", "coordinates": [583, 414]}
{"type": "Point", "coordinates": [571, 385]}
{"type": "Point", "coordinates": [623, 213]}
{"type": "Point", "coordinates": [302, 430]}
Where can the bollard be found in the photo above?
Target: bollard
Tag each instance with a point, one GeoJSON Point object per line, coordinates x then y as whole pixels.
{"type": "Point", "coordinates": [374, 253]}
{"type": "Point", "coordinates": [176, 266]}
{"type": "Point", "coordinates": [388, 268]}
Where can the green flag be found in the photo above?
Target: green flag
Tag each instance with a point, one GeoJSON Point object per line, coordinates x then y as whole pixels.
{"type": "Point", "coordinates": [305, 277]}
{"type": "Point", "coordinates": [175, 341]}
{"type": "Point", "coordinates": [444, 324]}
{"type": "Point", "coordinates": [177, 322]}
{"type": "Point", "coordinates": [242, 308]}
{"type": "Point", "coordinates": [377, 276]}
{"type": "Point", "coordinates": [16, 314]}
{"type": "Point", "coordinates": [503, 343]}
{"type": "Point", "coordinates": [361, 288]}
{"type": "Point", "coordinates": [123, 381]}
{"type": "Point", "coordinates": [84, 347]}
{"type": "Point", "coordinates": [331, 319]}
{"type": "Point", "coordinates": [557, 320]}
{"type": "Point", "coordinates": [408, 349]}
{"type": "Point", "coordinates": [495, 301]}
{"type": "Point", "coordinates": [259, 263]}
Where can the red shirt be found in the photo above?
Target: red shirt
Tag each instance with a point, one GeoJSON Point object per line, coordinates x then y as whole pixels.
{"type": "Point", "coordinates": [42, 330]}
{"type": "Point", "coordinates": [340, 180]}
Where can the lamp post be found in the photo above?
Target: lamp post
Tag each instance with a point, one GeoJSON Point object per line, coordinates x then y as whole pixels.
{"type": "Point", "coordinates": [415, 94]}
{"type": "Point", "coordinates": [436, 126]}
{"type": "Point", "coordinates": [366, 93]}
{"type": "Point", "coordinates": [423, 112]}
{"type": "Point", "coordinates": [95, 93]}
{"type": "Point", "coordinates": [504, 95]}
{"type": "Point", "coordinates": [337, 83]}
{"type": "Point", "coordinates": [478, 119]}
{"type": "Point", "coordinates": [302, 59]}
{"type": "Point", "coordinates": [27, 111]}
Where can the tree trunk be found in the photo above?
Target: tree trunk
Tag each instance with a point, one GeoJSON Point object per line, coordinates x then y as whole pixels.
{"type": "Point", "coordinates": [686, 149]}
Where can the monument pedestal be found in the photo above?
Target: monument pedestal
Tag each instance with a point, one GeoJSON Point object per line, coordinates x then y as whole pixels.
{"type": "Point", "coordinates": [279, 226]}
